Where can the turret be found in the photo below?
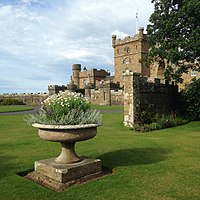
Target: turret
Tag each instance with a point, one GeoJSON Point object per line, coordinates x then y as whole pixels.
{"type": "Point", "coordinates": [141, 32]}
{"type": "Point", "coordinates": [114, 40]}
{"type": "Point", "coordinates": [76, 68]}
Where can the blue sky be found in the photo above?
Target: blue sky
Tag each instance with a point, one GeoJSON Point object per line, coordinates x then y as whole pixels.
{"type": "Point", "coordinates": [41, 39]}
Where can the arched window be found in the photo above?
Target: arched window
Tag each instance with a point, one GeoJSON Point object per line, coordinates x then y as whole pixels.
{"type": "Point", "coordinates": [126, 60]}
{"type": "Point", "coordinates": [127, 50]}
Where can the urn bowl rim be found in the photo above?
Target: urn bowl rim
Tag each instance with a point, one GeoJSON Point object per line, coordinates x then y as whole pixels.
{"type": "Point", "coordinates": [48, 126]}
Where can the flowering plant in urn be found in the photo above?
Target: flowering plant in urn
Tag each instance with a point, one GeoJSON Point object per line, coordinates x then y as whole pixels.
{"type": "Point", "coordinates": [66, 117]}
{"type": "Point", "coordinates": [66, 108]}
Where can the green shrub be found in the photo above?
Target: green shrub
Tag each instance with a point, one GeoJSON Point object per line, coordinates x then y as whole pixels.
{"type": "Point", "coordinates": [160, 122]}
{"type": "Point", "coordinates": [11, 102]}
{"type": "Point", "coordinates": [191, 100]}
{"type": "Point", "coordinates": [155, 126]}
{"type": "Point", "coordinates": [166, 121]}
{"type": "Point", "coordinates": [144, 117]}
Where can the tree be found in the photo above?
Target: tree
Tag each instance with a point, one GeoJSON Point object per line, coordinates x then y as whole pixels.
{"type": "Point", "coordinates": [174, 36]}
{"type": "Point", "coordinates": [191, 100]}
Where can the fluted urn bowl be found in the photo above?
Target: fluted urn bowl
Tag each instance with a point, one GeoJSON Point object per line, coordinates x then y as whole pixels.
{"type": "Point", "coordinates": [67, 135]}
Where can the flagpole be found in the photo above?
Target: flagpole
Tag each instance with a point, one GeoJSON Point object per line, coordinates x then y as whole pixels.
{"type": "Point", "coordinates": [137, 23]}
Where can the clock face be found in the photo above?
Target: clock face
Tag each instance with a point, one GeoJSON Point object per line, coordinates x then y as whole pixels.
{"type": "Point", "coordinates": [127, 50]}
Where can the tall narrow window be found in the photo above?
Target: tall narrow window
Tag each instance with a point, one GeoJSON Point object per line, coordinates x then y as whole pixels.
{"type": "Point", "coordinates": [104, 96]}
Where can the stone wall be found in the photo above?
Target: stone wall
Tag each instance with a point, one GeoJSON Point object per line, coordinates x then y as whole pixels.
{"type": "Point", "coordinates": [27, 98]}
{"type": "Point", "coordinates": [107, 93]}
{"type": "Point", "coordinates": [140, 95]}
{"type": "Point", "coordinates": [105, 97]}
{"type": "Point", "coordinates": [117, 97]}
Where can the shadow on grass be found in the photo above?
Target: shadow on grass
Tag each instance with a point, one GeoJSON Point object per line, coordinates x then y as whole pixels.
{"type": "Point", "coordinates": [137, 156]}
{"type": "Point", "coordinates": [6, 165]}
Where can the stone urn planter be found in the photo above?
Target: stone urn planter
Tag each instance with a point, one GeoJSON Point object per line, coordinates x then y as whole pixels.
{"type": "Point", "coordinates": [67, 135]}
{"type": "Point", "coordinates": [68, 168]}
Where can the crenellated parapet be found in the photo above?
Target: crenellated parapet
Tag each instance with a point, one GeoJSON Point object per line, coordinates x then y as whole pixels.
{"type": "Point", "coordinates": [23, 94]}
{"type": "Point", "coordinates": [80, 76]}
{"type": "Point", "coordinates": [107, 93]}
{"type": "Point", "coordinates": [128, 39]}
{"type": "Point", "coordinates": [108, 84]}
{"type": "Point", "coordinates": [26, 98]}
{"type": "Point", "coordinates": [55, 89]}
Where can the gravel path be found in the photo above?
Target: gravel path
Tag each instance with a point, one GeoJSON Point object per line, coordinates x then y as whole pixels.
{"type": "Point", "coordinates": [26, 112]}
{"type": "Point", "coordinates": [36, 108]}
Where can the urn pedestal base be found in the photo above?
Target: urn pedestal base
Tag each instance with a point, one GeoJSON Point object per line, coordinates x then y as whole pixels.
{"type": "Point", "coordinates": [61, 176]}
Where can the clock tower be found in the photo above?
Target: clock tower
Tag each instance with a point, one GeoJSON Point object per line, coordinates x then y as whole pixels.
{"type": "Point", "coordinates": [128, 53]}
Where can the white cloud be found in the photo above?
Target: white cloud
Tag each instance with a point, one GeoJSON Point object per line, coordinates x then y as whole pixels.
{"type": "Point", "coordinates": [43, 38]}
{"type": "Point", "coordinates": [75, 54]}
{"type": "Point", "coordinates": [119, 34]}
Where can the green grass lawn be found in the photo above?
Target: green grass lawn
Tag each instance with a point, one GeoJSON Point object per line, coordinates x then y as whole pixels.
{"type": "Point", "coordinates": [13, 108]}
{"type": "Point", "coordinates": [113, 107]}
{"type": "Point", "coordinates": [159, 165]}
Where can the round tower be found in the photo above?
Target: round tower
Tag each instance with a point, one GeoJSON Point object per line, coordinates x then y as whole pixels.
{"type": "Point", "coordinates": [76, 68]}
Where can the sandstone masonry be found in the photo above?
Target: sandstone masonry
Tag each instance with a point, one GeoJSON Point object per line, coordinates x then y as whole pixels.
{"type": "Point", "coordinates": [140, 95]}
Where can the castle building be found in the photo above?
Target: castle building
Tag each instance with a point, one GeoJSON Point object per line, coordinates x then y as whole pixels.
{"type": "Point", "coordinates": [127, 55]}
{"type": "Point", "coordinates": [80, 76]}
{"type": "Point", "coordinates": [103, 89]}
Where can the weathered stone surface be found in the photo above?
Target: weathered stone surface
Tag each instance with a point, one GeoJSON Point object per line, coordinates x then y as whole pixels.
{"type": "Point", "coordinates": [27, 98]}
{"type": "Point", "coordinates": [127, 55]}
{"type": "Point", "coordinates": [67, 133]}
{"type": "Point", "coordinates": [80, 76]}
{"type": "Point", "coordinates": [141, 95]}
{"type": "Point", "coordinates": [107, 94]}
{"type": "Point", "coordinates": [58, 186]}
{"type": "Point", "coordinates": [66, 172]}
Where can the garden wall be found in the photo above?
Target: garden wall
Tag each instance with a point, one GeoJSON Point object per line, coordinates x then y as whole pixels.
{"type": "Point", "coordinates": [141, 95]}
{"type": "Point", "coordinates": [27, 98]}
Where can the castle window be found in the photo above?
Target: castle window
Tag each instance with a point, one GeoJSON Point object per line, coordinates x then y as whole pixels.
{"type": "Point", "coordinates": [104, 96]}
{"type": "Point", "coordinates": [117, 50]}
{"type": "Point", "coordinates": [126, 60]}
{"type": "Point", "coordinates": [127, 50]}
{"type": "Point", "coordinates": [136, 47]}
